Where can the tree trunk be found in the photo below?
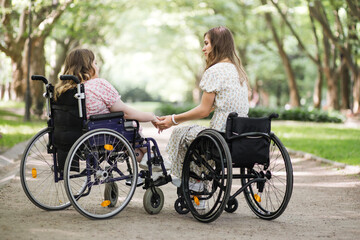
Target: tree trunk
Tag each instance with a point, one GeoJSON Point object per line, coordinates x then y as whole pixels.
{"type": "Point", "coordinates": [196, 93]}
{"type": "Point", "coordinates": [294, 94]}
{"type": "Point", "coordinates": [332, 89]}
{"type": "Point", "coordinates": [356, 94]}
{"type": "Point", "coordinates": [331, 79]}
{"type": "Point", "coordinates": [345, 85]}
{"type": "Point", "coordinates": [317, 88]}
{"type": "Point", "coordinates": [343, 47]}
{"type": "Point", "coordinates": [37, 66]}
{"type": "Point", "coordinates": [18, 85]}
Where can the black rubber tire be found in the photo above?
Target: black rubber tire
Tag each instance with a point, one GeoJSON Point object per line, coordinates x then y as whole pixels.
{"type": "Point", "coordinates": [210, 153]}
{"type": "Point", "coordinates": [273, 200]}
{"type": "Point", "coordinates": [153, 203]}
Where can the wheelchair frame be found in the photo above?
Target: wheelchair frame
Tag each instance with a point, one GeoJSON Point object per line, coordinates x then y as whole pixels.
{"type": "Point", "coordinates": [267, 187]}
{"type": "Point", "coordinates": [107, 149]}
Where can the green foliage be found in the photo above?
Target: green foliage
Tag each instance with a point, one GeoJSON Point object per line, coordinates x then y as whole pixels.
{"type": "Point", "coordinates": [136, 94]}
{"type": "Point", "coordinates": [171, 108]}
{"type": "Point", "coordinates": [299, 114]}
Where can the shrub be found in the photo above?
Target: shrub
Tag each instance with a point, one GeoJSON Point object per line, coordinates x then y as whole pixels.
{"type": "Point", "coordinates": [174, 108]}
{"type": "Point", "coordinates": [295, 114]}
{"type": "Point", "coordinates": [299, 114]}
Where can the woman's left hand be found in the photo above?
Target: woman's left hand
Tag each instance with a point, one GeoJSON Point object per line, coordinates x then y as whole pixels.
{"type": "Point", "coordinates": [165, 122]}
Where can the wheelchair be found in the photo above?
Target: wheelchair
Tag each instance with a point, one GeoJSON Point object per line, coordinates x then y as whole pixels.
{"type": "Point", "coordinates": [100, 173]}
{"type": "Point", "coordinates": [247, 151]}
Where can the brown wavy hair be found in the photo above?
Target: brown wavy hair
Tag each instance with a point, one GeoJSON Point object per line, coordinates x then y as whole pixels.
{"type": "Point", "coordinates": [79, 63]}
{"type": "Point", "coordinates": [222, 47]}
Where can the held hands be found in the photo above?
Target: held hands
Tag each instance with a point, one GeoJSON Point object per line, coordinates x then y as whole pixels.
{"type": "Point", "coordinates": [155, 121]}
{"type": "Point", "coordinates": [165, 123]}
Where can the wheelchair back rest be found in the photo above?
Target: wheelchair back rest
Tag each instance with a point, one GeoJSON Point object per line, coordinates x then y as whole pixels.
{"type": "Point", "coordinates": [114, 121]}
{"type": "Point", "coordinates": [66, 123]}
{"type": "Point", "coordinates": [248, 140]}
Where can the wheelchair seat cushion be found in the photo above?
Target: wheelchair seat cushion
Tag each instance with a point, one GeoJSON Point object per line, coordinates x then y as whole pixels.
{"type": "Point", "coordinates": [68, 126]}
{"type": "Point", "coordinates": [248, 150]}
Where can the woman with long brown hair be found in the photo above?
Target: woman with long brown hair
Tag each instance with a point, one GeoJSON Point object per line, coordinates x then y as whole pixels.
{"type": "Point", "coordinates": [225, 89]}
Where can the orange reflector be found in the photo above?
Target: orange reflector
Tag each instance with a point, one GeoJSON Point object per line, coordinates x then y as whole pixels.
{"type": "Point", "coordinates": [108, 147]}
{"type": "Point", "coordinates": [105, 203]}
{"type": "Point", "coordinates": [34, 173]}
{"type": "Point", "coordinates": [196, 200]}
{"type": "Point", "coordinates": [257, 198]}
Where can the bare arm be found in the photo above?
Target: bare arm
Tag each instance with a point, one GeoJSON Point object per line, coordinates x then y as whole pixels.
{"type": "Point", "coordinates": [201, 111]}
{"type": "Point", "coordinates": [131, 113]}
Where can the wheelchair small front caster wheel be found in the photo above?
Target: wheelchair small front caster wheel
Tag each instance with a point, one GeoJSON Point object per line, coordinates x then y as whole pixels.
{"type": "Point", "coordinates": [111, 193]}
{"type": "Point", "coordinates": [231, 205]}
{"type": "Point", "coordinates": [153, 200]}
{"type": "Point", "coordinates": [180, 206]}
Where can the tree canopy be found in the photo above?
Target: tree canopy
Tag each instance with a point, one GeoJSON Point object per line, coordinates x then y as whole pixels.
{"type": "Point", "coordinates": [298, 52]}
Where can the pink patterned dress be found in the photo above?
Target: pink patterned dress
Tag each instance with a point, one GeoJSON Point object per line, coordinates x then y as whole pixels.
{"type": "Point", "coordinates": [100, 96]}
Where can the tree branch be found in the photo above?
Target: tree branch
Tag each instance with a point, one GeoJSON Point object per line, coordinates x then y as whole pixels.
{"type": "Point", "coordinates": [47, 24]}
{"type": "Point", "coordinates": [22, 25]}
{"type": "Point", "coordinates": [6, 20]}
{"type": "Point", "coordinates": [316, 37]}
{"type": "Point", "coordinates": [327, 31]}
{"type": "Point", "coordinates": [293, 32]}
{"type": "Point", "coordinates": [354, 7]}
{"type": "Point", "coordinates": [4, 50]}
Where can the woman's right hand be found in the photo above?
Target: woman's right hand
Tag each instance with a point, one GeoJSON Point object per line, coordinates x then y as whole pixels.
{"type": "Point", "coordinates": [165, 123]}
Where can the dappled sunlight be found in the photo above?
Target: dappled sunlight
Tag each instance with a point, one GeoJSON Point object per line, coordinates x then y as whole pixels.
{"type": "Point", "coordinates": [302, 135]}
{"type": "Point", "coordinates": [351, 184]}
{"type": "Point", "coordinates": [14, 130]}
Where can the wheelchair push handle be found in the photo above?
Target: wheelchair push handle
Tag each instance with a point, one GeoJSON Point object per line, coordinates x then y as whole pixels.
{"type": "Point", "coordinates": [39, 78]}
{"type": "Point", "coordinates": [273, 115]}
{"type": "Point", "coordinates": [70, 77]}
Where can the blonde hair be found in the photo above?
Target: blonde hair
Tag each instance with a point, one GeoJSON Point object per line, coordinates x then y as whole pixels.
{"type": "Point", "coordinates": [79, 63]}
{"type": "Point", "coordinates": [222, 47]}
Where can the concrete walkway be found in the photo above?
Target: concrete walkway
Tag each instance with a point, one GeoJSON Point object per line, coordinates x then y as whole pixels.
{"type": "Point", "coordinates": [325, 204]}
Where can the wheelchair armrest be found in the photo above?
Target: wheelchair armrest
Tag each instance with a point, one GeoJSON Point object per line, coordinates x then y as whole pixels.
{"type": "Point", "coordinates": [129, 124]}
{"type": "Point", "coordinates": [106, 116]}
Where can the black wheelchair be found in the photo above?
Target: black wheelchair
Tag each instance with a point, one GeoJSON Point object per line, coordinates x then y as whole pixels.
{"type": "Point", "coordinates": [100, 174]}
{"type": "Point", "coordinates": [248, 151]}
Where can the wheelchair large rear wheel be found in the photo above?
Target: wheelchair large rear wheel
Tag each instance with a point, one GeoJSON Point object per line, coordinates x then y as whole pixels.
{"type": "Point", "coordinates": [206, 176]}
{"type": "Point", "coordinates": [100, 174]}
{"type": "Point", "coordinates": [37, 174]}
{"type": "Point", "coordinates": [269, 200]}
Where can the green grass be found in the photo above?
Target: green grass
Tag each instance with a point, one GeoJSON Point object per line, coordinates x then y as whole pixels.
{"type": "Point", "coordinates": [330, 141]}
{"type": "Point", "coordinates": [14, 130]}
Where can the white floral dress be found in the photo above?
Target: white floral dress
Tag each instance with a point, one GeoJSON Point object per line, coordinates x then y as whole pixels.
{"type": "Point", "coordinates": [231, 96]}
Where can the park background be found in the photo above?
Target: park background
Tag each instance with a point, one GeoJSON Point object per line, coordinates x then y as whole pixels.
{"type": "Point", "coordinates": [301, 56]}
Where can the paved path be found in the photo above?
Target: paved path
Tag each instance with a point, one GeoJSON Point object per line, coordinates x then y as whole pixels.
{"type": "Point", "coordinates": [325, 204]}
